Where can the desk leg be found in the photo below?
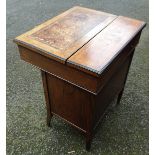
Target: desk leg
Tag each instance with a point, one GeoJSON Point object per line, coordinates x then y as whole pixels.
{"type": "Point", "coordinates": [48, 107]}
{"type": "Point", "coordinates": [119, 96]}
{"type": "Point", "coordinates": [127, 71]}
{"type": "Point", "coordinates": [89, 121]}
{"type": "Point", "coordinates": [88, 140]}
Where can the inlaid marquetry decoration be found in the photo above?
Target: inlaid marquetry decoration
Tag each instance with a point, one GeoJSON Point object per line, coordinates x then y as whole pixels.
{"type": "Point", "coordinates": [63, 35]}
{"type": "Point", "coordinates": [64, 32]}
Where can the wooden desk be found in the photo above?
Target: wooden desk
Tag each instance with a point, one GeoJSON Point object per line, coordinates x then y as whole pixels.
{"type": "Point", "coordinates": [84, 57]}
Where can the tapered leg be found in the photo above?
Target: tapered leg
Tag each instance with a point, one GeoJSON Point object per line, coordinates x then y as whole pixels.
{"type": "Point", "coordinates": [88, 141]}
{"type": "Point", "coordinates": [121, 92]}
{"type": "Point", "coordinates": [89, 121]}
{"type": "Point", "coordinates": [120, 96]}
{"type": "Point", "coordinates": [48, 107]}
{"type": "Point", "coordinates": [48, 119]}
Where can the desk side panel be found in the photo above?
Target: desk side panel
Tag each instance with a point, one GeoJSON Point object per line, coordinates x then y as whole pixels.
{"type": "Point", "coordinates": [115, 85]}
{"type": "Point", "coordinates": [68, 101]}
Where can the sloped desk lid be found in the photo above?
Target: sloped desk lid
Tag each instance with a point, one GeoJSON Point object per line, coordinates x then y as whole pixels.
{"type": "Point", "coordinates": [82, 38]}
{"type": "Point", "coordinates": [99, 52]}
{"type": "Point", "coordinates": [62, 36]}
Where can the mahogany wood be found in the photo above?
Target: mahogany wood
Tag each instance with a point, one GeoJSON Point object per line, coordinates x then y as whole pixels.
{"type": "Point", "coordinates": [78, 78]}
{"type": "Point", "coordinates": [80, 108]}
{"type": "Point", "coordinates": [46, 93]}
{"type": "Point", "coordinates": [62, 36]}
{"type": "Point", "coordinates": [107, 44]}
{"type": "Point", "coordinates": [84, 57]}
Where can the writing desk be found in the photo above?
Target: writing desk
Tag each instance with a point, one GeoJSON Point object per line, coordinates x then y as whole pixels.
{"type": "Point", "coordinates": [84, 56]}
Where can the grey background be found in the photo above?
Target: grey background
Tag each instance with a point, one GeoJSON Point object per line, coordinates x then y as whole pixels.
{"type": "Point", "coordinates": [124, 130]}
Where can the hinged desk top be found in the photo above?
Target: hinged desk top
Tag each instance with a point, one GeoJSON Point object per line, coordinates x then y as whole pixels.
{"type": "Point", "coordinates": [82, 38]}
{"type": "Point", "coordinates": [99, 52]}
{"type": "Point", "coordinates": [63, 35]}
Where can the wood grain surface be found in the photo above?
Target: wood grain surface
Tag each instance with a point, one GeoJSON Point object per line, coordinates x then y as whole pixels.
{"type": "Point", "coordinates": [84, 56]}
{"type": "Point", "coordinates": [102, 49]}
{"type": "Point", "coordinates": [63, 35]}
